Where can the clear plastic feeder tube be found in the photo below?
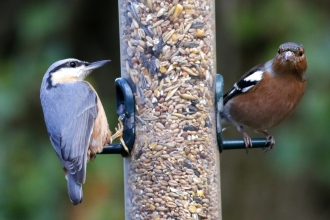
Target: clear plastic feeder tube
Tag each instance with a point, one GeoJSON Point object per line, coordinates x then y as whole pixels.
{"type": "Point", "coordinates": [168, 57]}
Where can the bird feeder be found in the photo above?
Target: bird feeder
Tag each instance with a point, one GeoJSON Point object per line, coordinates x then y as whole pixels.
{"type": "Point", "coordinates": [168, 59]}
{"type": "Point", "coordinates": [170, 98]}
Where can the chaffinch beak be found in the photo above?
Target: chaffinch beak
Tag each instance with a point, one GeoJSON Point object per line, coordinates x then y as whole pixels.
{"type": "Point", "coordinates": [288, 55]}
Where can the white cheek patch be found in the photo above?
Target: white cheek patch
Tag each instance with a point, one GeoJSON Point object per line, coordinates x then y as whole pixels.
{"type": "Point", "coordinates": [67, 75]}
{"type": "Point", "coordinates": [75, 72]}
{"type": "Point", "coordinates": [256, 76]}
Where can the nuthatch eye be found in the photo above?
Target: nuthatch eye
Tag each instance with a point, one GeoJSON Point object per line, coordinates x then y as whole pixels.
{"type": "Point", "coordinates": [75, 119]}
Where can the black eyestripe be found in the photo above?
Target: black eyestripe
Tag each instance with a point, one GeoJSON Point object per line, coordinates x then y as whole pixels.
{"type": "Point", "coordinates": [67, 65]}
{"type": "Point", "coordinates": [64, 65]}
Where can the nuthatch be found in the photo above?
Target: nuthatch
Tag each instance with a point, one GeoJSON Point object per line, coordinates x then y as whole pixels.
{"type": "Point", "coordinates": [75, 119]}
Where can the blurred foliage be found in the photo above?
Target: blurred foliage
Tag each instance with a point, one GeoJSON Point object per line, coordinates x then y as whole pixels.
{"type": "Point", "coordinates": [293, 180]}
{"type": "Point", "coordinates": [32, 182]}
{"type": "Point", "coordinates": [290, 182]}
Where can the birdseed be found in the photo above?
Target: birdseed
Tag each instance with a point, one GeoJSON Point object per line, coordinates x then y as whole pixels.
{"type": "Point", "coordinates": [168, 57]}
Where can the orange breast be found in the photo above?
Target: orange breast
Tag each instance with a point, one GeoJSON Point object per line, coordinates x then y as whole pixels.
{"type": "Point", "coordinates": [101, 135]}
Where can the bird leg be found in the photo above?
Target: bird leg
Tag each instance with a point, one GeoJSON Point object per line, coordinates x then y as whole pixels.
{"type": "Point", "coordinates": [119, 134]}
{"type": "Point", "coordinates": [269, 138]}
{"type": "Point", "coordinates": [247, 141]}
{"type": "Point", "coordinates": [91, 155]}
{"type": "Point", "coordinates": [119, 131]}
{"type": "Point", "coordinates": [246, 137]}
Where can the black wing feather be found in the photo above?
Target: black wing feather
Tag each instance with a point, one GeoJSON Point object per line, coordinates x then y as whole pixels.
{"type": "Point", "coordinates": [241, 84]}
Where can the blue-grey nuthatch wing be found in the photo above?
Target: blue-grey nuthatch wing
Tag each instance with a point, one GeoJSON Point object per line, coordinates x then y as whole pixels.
{"type": "Point", "coordinates": [75, 119]}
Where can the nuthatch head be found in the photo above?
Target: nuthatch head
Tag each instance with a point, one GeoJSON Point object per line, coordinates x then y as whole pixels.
{"type": "Point", "coordinates": [70, 70]}
{"type": "Point", "coordinates": [75, 119]}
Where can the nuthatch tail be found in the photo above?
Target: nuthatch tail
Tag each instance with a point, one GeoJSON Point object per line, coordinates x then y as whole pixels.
{"type": "Point", "coordinates": [75, 119]}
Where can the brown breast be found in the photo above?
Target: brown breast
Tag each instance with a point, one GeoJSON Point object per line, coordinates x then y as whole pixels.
{"type": "Point", "coordinates": [262, 110]}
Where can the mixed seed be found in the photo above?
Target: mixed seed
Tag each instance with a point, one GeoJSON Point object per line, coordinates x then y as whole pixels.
{"type": "Point", "coordinates": [167, 49]}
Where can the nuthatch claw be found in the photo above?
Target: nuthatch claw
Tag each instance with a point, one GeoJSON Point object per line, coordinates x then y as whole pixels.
{"type": "Point", "coordinates": [75, 119]}
{"type": "Point", "coordinates": [119, 133]}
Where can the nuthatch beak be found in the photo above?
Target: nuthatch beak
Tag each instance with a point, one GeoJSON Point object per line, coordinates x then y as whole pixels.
{"type": "Point", "coordinates": [95, 65]}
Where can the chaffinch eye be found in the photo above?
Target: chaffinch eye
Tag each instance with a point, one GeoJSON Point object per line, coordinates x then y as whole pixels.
{"type": "Point", "coordinates": [301, 53]}
{"type": "Point", "coordinates": [278, 51]}
{"type": "Point", "coordinates": [73, 64]}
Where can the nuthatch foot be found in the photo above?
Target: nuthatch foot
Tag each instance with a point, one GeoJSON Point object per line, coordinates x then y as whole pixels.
{"type": "Point", "coordinates": [75, 119]}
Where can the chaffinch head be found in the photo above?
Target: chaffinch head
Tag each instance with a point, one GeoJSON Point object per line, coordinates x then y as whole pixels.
{"type": "Point", "coordinates": [268, 93]}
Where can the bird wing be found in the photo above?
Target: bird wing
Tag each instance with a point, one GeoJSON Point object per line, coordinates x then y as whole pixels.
{"type": "Point", "coordinates": [70, 110]}
{"type": "Point", "coordinates": [245, 83]}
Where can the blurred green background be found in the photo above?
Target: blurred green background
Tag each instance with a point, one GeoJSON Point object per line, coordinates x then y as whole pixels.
{"type": "Point", "coordinates": [290, 182]}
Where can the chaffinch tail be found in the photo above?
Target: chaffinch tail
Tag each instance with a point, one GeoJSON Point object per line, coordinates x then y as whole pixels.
{"type": "Point", "coordinates": [268, 93]}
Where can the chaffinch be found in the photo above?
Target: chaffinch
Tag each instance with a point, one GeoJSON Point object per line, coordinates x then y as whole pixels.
{"type": "Point", "coordinates": [268, 93]}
